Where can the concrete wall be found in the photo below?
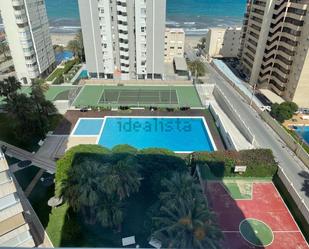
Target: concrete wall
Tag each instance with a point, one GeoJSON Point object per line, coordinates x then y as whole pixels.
{"type": "Point", "coordinates": [228, 140]}
{"type": "Point", "coordinates": [297, 199]}
{"type": "Point", "coordinates": [227, 107]}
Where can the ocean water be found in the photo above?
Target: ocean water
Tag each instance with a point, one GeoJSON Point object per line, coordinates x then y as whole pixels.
{"type": "Point", "coordinates": [195, 16]}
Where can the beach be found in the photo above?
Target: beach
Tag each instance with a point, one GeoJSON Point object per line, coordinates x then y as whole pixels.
{"type": "Point", "coordinates": [61, 39]}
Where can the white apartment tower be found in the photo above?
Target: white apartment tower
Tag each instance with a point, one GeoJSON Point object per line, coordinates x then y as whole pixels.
{"type": "Point", "coordinates": [14, 229]}
{"type": "Point", "coordinates": [27, 31]}
{"type": "Point", "coordinates": [124, 38]}
{"type": "Point", "coordinates": [274, 48]}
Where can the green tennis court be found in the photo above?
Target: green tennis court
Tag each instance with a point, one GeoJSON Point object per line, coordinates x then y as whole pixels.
{"type": "Point", "coordinates": [139, 96]}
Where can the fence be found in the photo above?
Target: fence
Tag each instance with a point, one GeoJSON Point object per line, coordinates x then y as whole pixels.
{"type": "Point", "coordinates": [228, 108]}
{"type": "Point", "coordinates": [299, 201]}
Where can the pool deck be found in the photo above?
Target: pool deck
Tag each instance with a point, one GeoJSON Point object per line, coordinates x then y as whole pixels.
{"type": "Point", "coordinates": [71, 118]}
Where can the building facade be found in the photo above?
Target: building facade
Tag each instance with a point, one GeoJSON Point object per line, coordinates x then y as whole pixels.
{"type": "Point", "coordinates": [223, 42]}
{"type": "Point", "coordinates": [274, 48]}
{"type": "Point", "coordinates": [124, 38]}
{"type": "Point", "coordinates": [27, 31]}
{"type": "Point", "coordinates": [174, 44]}
{"type": "Point", "coordinates": [14, 230]}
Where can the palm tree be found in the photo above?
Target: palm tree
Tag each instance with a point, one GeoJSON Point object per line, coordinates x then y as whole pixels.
{"type": "Point", "coordinates": [82, 189]}
{"type": "Point", "coordinates": [77, 46]}
{"type": "Point", "coordinates": [185, 220]}
{"type": "Point", "coordinates": [121, 178]}
{"type": "Point", "coordinates": [9, 87]}
{"type": "Point", "coordinates": [179, 186]}
{"type": "Point", "coordinates": [110, 211]}
{"type": "Point", "coordinates": [197, 68]}
{"type": "Point", "coordinates": [202, 43]}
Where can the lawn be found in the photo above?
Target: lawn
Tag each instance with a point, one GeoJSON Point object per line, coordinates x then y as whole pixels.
{"type": "Point", "coordinates": [90, 95]}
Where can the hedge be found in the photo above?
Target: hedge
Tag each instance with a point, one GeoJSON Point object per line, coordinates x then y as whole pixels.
{"type": "Point", "coordinates": [259, 162]}
{"type": "Point", "coordinates": [66, 162]}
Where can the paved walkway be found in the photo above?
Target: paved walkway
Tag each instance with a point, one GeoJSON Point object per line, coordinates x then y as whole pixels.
{"type": "Point", "coordinates": [21, 154]}
{"type": "Point", "coordinates": [34, 182]}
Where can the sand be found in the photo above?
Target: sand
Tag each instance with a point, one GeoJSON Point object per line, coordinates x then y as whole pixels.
{"type": "Point", "coordinates": [61, 39]}
{"type": "Point", "coordinates": [193, 40]}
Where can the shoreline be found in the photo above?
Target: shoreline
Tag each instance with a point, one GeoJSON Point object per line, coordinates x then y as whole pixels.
{"type": "Point", "coordinates": [62, 39]}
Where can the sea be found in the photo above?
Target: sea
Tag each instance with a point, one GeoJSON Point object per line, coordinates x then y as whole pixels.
{"type": "Point", "coordinates": [195, 16]}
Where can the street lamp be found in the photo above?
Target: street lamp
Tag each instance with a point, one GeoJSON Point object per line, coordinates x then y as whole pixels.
{"type": "Point", "coordinates": [253, 93]}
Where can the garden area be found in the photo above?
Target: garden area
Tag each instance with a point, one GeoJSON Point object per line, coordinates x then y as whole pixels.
{"type": "Point", "coordinates": [58, 75]}
{"type": "Point", "coordinates": [112, 194]}
{"type": "Point", "coordinates": [260, 163]}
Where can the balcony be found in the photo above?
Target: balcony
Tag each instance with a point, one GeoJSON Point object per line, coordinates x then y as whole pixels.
{"type": "Point", "coordinates": [21, 19]}
{"type": "Point", "coordinates": [17, 3]}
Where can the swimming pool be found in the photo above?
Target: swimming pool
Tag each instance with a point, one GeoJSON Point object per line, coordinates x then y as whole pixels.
{"type": "Point", "coordinates": [83, 75]}
{"type": "Point", "coordinates": [303, 131]}
{"type": "Point", "coordinates": [65, 55]}
{"type": "Point", "coordinates": [179, 134]}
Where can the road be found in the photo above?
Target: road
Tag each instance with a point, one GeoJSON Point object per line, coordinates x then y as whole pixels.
{"type": "Point", "coordinates": [265, 136]}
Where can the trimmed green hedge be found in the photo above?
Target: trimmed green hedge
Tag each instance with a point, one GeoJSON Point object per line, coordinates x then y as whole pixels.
{"type": "Point", "coordinates": [259, 162]}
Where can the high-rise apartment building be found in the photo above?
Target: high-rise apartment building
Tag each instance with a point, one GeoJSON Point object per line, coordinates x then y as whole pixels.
{"type": "Point", "coordinates": [223, 42]}
{"type": "Point", "coordinates": [174, 44]}
{"type": "Point", "coordinates": [14, 230]}
{"type": "Point", "coordinates": [124, 38]}
{"type": "Point", "coordinates": [274, 48]}
{"type": "Point", "coordinates": [27, 31]}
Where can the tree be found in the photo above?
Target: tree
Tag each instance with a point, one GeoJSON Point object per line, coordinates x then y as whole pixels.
{"type": "Point", "coordinates": [121, 178]}
{"type": "Point", "coordinates": [77, 46]}
{"type": "Point", "coordinates": [82, 189]}
{"type": "Point", "coordinates": [110, 212]}
{"type": "Point", "coordinates": [4, 48]}
{"type": "Point", "coordinates": [202, 43]}
{"type": "Point", "coordinates": [9, 87]}
{"type": "Point", "coordinates": [29, 112]}
{"type": "Point", "coordinates": [283, 111]}
{"type": "Point", "coordinates": [185, 220]}
{"type": "Point", "coordinates": [197, 68]}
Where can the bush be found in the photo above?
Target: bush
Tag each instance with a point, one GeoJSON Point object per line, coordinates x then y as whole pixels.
{"type": "Point", "coordinates": [259, 162]}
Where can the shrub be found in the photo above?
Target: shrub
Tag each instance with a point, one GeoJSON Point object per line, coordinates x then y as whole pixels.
{"type": "Point", "coordinates": [259, 162]}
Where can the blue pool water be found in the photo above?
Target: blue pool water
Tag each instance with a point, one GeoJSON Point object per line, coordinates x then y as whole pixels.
{"type": "Point", "coordinates": [88, 127]}
{"type": "Point", "coordinates": [83, 75]}
{"type": "Point", "coordinates": [65, 55]}
{"type": "Point", "coordinates": [303, 131]}
{"type": "Point", "coordinates": [176, 134]}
